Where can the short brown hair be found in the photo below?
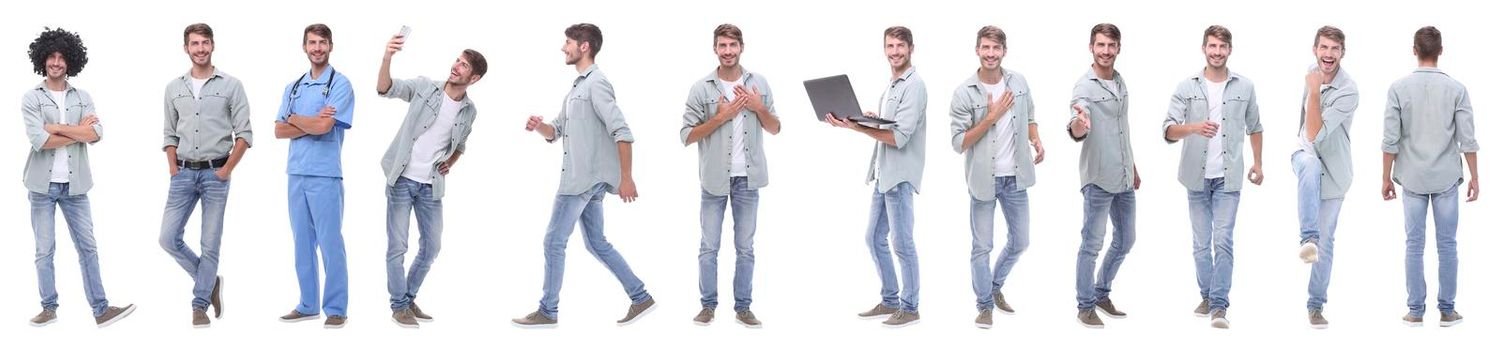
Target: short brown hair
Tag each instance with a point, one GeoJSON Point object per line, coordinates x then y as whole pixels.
{"type": "Point", "coordinates": [729, 31]}
{"type": "Point", "coordinates": [320, 29]}
{"type": "Point", "coordinates": [200, 29]}
{"type": "Point", "coordinates": [1428, 42]}
{"type": "Point", "coordinates": [1109, 30]}
{"type": "Point", "coordinates": [1332, 33]}
{"type": "Point", "coordinates": [992, 33]}
{"type": "Point", "coordinates": [587, 33]}
{"type": "Point", "coordinates": [1218, 32]}
{"type": "Point", "coordinates": [477, 64]}
{"type": "Point", "coordinates": [900, 33]}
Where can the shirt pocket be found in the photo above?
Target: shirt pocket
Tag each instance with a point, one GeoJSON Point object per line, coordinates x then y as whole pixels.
{"type": "Point", "coordinates": [711, 110]}
{"type": "Point", "coordinates": [214, 106]}
{"type": "Point", "coordinates": [1021, 107]}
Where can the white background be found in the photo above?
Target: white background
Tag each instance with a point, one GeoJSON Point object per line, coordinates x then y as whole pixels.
{"type": "Point", "coordinates": [814, 271]}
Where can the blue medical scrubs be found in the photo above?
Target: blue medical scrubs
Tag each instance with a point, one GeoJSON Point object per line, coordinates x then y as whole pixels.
{"type": "Point", "coordinates": [315, 190]}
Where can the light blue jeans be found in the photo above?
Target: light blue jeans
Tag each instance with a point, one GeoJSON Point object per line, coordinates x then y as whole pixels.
{"type": "Point", "coordinates": [1015, 207]}
{"type": "Point", "coordinates": [1212, 212]}
{"type": "Point", "coordinates": [1317, 218]}
{"type": "Point", "coordinates": [711, 217]}
{"type": "Point", "coordinates": [1121, 210]}
{"type": "Point", "coordinates": [891, 225]}
{"type": "Point", "coordinates": [191, 187]}
{"type": "Point", "coordinates": [586, 210]}
{"type": "Point", "coordinates": [80, 228]}
{"type": "Point", "coordinates": [401, 200]}
{"type": "Point", "coordinates": [1445, 224]}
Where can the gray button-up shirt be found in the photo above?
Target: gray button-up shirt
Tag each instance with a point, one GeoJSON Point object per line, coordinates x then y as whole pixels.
{"type": "Point", "coordinates": [590, 125]}
{"type": "Point", "coordinates": [39, 109]}
{"type": "Point", "coordinates": [970, 106]}
{"type": "Point", "coordinates": [1429, 122]}
{"type": "Point", "coordinates": [714, 150]}
{"type": "Point", "coordinates": [1106, 159]}
{"type": "Point", "coordinates": [205, 128]}
{"type": "Point", "coordinates": [1242, 117]}
{"type": "Point", "coordinates": [426, 99]}
{"type": "Point", "coordinates": [1338, 100]}
{"type": "Point", "coordinates": [906, 103]}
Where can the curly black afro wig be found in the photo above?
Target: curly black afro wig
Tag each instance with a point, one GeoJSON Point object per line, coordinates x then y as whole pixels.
{"type": "Point", "coordinates": [58, 40]}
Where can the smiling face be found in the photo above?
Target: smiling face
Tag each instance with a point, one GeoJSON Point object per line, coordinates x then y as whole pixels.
{"type": "Point", "coordinates": [573, 51]}
{"type": "Point", "coordinates": [462, 72]}
{"type": "Point", "coordinates": [990, 52]}
{"type": "Point", "coordinates": [728, 50]}
{"type": "Point", "coordinates": [1104, 50]}
{"type": "Point", "coordinates": [898, 52]}
{"type": "Point", "coordinates": [200, 49]}
{"type": "Point", "coordinates": [1216, 52]}
{"type": "Point", "coordinates": [317, 48]}
{"type": "Point", "coordinates": [57, 66]}
{"type": "Point", "coordinates": [1329, 53]}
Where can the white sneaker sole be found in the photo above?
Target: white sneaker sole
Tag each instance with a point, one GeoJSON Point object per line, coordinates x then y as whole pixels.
{"type": "Point", "coordinates": [638, 316]}
{"type": "Point", "coordinates": [1451, 323]}
{"type": "Point", "coordinates": [403, 325]}
{"type": "Point", "coordinates": [424, 320]}
{"type": "Point", "coordinates": [874, 317]}
{"type": "Point", "coordinates": [128, 310]}
{"type": "Point", "coordinates": [1107, 314]}
{"type": "Point", "coordinates": [747, 325]}
{"type": "Point", "coordinates": [1319, 326]}
{"type": "Point", "coordinates": [1203, 315]}
{"type": "Point", "coordinates": [219, 310]}
{"type": "Point", "coordinates": [704, 324]}
{"type": "Point", "coordinates": [1086, 325]}
{"type": "Point", "coordinates": [334, 326]}
{"type": "Point", "coordinates": [534, 326]}
{"type": "Point", "coordinates": [299, 319]}
{"type": "Point", "coordinates": [34, 324]}
{"type": "Point", "coordinates": [901, 325]}
{"type": "Point", "coordinates": [982, 326]}
{"type": "Point", "coordinates": [1309, 253]}
{"type": "Point", "coordinates": [1220, 323]}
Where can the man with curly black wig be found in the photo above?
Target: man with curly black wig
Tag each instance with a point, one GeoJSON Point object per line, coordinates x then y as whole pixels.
{"type": "Point", "coordinates": [60, 124]}
{"type": "Point", "coordinates": [206, 131]}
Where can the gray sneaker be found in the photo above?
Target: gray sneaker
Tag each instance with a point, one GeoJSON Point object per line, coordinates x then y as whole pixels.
{"type": "Point", "coordinates": [1450, 318]}
{"type": "Point", "coordinates": [1316, 319]}
{"type": "Point", "coordinates": [1203, 309]}
{"type": "Point", "coordinates": [295, 316]}
{"type": "Point", "coordinates": [404, 318]}
{"type": "Point", "coordinates": [112, 314]}
{"type": "Point", "coordinates": [1412, 320]}
{"type": "Point", "coordinates": [983, 320]}
{"type": "Point", "coordinates": [1090, 319]}
{"type": "Point", "coordinates": [1000, 304]}
{"type": "Point", "coordinates": [335, 322]}
{"type": "Point", "coordinates": [636, 311]}
{"type": "Point", "coordinates": [535, 320]}
{"type": "Point", "coordinates": [1109, 309]}
{"type": "Point", "coordinates": [216, 297]}
{"type": "Point", "coordinates": [748, 319]}
{"type": "Point", "coordinates": [1309, 252]}
{"type": "Point", "coordinates": [704, 316]}
{"type": "Point", "coordinates": [200, 318]}
{"type": "Point", "coordinates": [48, 316]}
{"type": "Point", "coordinates": [1217, 319]}
{"type": "Point", "coordinates": [418, 314]}
{"type": "Point", "coordinates": [901, 319]}
{"type": "Point", "coordinates": [880, 311]}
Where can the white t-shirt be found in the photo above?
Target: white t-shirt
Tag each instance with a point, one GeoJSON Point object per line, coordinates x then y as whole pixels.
{"type": "Point", "coordinates": [432, 143]}
{"type": "Point", "coordinates": [198, 87]}
{"type": "Point", "coordinates": [737, 138]}
{"type": "Point", "coordinates": [1112, 86]}
{"type": "Point", "coordinates": [60, 154]}
{"type": "Point", "coordinates": [1005, 152]}
{"type": "Point", "coordinates": [1214, 165]}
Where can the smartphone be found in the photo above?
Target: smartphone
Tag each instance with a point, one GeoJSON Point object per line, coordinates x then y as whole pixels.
{"type": "Point", "coordinates": [405, 31]}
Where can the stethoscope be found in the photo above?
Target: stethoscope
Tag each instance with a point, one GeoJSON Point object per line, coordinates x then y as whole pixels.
{"type": "Point", "coordinates": [327, 88]}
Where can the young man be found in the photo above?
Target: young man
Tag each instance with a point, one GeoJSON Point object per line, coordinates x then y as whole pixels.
{"type": "Point", "coordinates": [60, 124]}
{"type": "Point", "coordinates": [992, 125]}
{"type": "Point", "coordinates": [439, 117]}
{"type": "Point", "coordinates": [207, 131]}
{"type": "Point", "coordinates": [596, 161]}
{"type": "Point", "coordinates": [1429, 122]}
{"type": "Point", "coordinates": [1107, 171]}
{"type": "Point", "coordinates": [1321, 162]}
{"type": "Point", "coordinates": [896, 167]}
{"type": "Point", "coordinates": [1212, 112]}
{"type": "Point", "coordinates": [315, 111]}
{"type": "Point", "coordinates": [726, 114]}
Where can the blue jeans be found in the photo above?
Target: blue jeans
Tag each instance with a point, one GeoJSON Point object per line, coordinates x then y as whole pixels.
{"type": "Point", "coordinates": [711, 218]}
{"type": "Point", "coordinates": [315, 205]}
{"type": "Point", "coordinates": [1212, 212]}
{"type": "Point", "coordinates": [187, 189]}
{"type": "Point", "coordinates": [1121, 208]}
{"type": "Point", "coordinates": [1445, 225]}
{"type": "Point", "coordinates": [891, 214]}
{"type": "Point", "coordinates": [80, 228]}
{"type": "Point", "coordinates": [586, 210]}
{"type": "Point", "coordinates": [1317, 218]}
{"type": "Point", "coordinates": [982, 226]}
{"type": "Point", "coordinates": [401, 200]}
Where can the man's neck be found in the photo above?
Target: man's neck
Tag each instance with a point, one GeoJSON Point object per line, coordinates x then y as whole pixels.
{"type": "Point", "coordinates": [1106, 73]}
{"type": "Point", "coordinates": [59, 84]}
{"type": "Point", "coordinates": [732, 73]}
{"type": "Point", "coordinates": [583, 64]}
{"type": "Point", "coordinates": [1329, 78]}
{"type": "Point", "coordinates": [896, 71]}
{"type": "Point", "coordinates": [1428, 63]}
{"type": "Point", "coordinates": [990, 76]}
{"type": "Point", "coordinates": [202, 72]}
{"type": "Point", "coordinates": [455, 92]}
{"type": "Point", "coordinates": [317, 71]}
{"type": "Point", "coordinates": [1217, 75]}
